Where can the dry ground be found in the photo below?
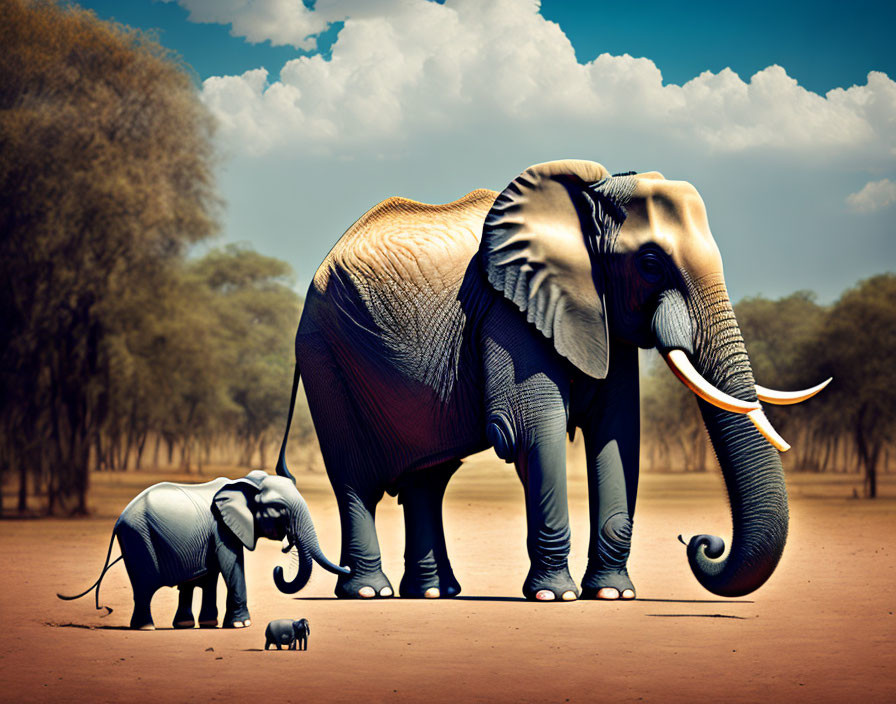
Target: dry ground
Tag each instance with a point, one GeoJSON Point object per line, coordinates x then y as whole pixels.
{"type": "Point", "coordinates": [822, 630]}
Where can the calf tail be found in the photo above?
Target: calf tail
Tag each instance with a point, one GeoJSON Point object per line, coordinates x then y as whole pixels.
{"type": "Point", "coordinates": [96, 585]}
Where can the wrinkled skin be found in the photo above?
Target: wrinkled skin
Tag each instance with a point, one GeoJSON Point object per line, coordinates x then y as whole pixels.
{"type": "Point", "coordinates": [185, 535]}
{"type": "Point", "coordinates": [507, 320]}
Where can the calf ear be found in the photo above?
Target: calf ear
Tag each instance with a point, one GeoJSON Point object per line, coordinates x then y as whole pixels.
{"type": "Point", "coordinates": [535, 252]}
{"type": "Point", "coordinates": [232, 503]}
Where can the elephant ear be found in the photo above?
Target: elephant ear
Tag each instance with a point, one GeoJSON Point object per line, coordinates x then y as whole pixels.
{"type": "Point", "coordinates": [233, 504]}
{"type": "Point", "coordinates": [535, 252]}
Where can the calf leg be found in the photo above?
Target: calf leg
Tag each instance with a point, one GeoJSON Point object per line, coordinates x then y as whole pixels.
{"type": "Point", "coordinates": [183, 617]}
{"type": "Point", "coordinates": [208, 612]}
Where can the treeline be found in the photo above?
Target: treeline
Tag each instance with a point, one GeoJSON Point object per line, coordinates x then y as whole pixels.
{"type": "Point", "coordinates": [794, 343]}
{"type": "Point", "coordinates": [115, 347]}
{"type": "Point", "coordinates": [118, 350]}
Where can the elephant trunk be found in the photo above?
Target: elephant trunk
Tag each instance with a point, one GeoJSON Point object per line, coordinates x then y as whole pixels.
{"type": "Point", "coordinates": [303, 536]}
{"type": "Point", "coordinates": [751, 466]}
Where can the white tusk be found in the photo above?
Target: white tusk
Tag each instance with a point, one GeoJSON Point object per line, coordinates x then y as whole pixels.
{"type": "Point", "coordinates": [785, 398]}
{"type": "Point", "coordinates": [682, 368]}
{"type": "Point", "coordinates": [767, 429]}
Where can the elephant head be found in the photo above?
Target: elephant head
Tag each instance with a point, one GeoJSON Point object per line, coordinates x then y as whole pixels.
{"type": "Point", "coordinates": [262, 505]}
{"type": "Point", "coordinates": [589, 257]}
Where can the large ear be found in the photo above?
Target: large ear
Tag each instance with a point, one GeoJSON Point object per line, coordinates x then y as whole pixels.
{"type": "Point", "coordinates": [232, 502]}
{"type": "Point", "coordinates": [535, 252]}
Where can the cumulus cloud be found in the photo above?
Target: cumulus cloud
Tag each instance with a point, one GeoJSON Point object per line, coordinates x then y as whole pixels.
{"type": "Point", "coordinates": [430, 101]}
{"type": "Point", "coordinates": [403, 68]}
{"type": "Point", "coordinates": [283, 22]}
{"type": "Point", "coordinates": [875, 195]}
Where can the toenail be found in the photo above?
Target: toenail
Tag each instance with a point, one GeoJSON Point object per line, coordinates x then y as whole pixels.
{"type": "Point", "coordinates": [432, 593]}
{"type": "Point", "coordinates": [386, 591]}
{"type": "Point", "coordinates": [628, 594]}
{"type": "Point", "coordinates": [569, 596]}
{"type": "Point", "coordinates": [366, 592]}
{"type": "Point", "coordinates": [608, 593]}
{"type": "Point", "coordinates": [545, 595]}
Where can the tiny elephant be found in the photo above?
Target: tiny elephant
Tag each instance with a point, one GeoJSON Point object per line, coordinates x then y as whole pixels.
{"type": "Point", "coordinates": [284, 631]}
{"type": "Point", "coordinates": [185, 535]}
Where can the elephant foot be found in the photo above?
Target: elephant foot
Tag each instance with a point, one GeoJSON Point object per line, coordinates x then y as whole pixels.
{"type": "Point", "coordinates": [142, 622]}
{"type": "Point", "coordinates": [183, 619]}
{"type": "Point", "coordinates": [208, 617]}
{"type": "Point", "coordinates": [441, 586]}
{"type": "Point", "coordinates": [608, 585]}
{"type": "Point", "coordinates": [237, 620]}
{"type": "Point", "coordinates": [550, 584]}
{"type": "Point", "coordinates": [369, 585]}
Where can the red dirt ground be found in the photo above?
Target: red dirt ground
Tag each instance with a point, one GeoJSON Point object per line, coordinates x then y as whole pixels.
{"type": "Point", "coordinates": [822, 629]}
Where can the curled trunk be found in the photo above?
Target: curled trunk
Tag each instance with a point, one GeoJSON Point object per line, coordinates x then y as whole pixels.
{"type": "Point", "coordinates": [304, 538]}
{"type": "Point", "coordinates": [752, 468]}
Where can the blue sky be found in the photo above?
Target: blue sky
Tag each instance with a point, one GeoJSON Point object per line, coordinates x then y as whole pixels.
{"type": "Point", "coordinates": [405, 97]}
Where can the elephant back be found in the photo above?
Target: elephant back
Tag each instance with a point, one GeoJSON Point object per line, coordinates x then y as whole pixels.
{"type": "Point", "coordinates": [401, 240]}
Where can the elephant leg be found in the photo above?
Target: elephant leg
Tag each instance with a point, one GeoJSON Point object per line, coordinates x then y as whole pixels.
{"type": "Point", "coordinates": [140, 564]}
{"type": "Point", "coordinates": [542, 469]}
{"type": "Point", "coordinates": [341, 429]}
{"type": "Point", "coordinates": [527, 402]}
{"type": "Point", "coordinates": [230, 559]}
{"type": "Point", "coordinates": [208, 612]}
{"type": "Point", "coordinates": [183, 617]}
{"type": "Point", "coordinates": [360, 548]}
{"type": "Point", "coordinates": [428, 572]}
{"type": "Point", "coordinates": [141, 618]}
{"type": "Point", "coordinates": [611, 446]}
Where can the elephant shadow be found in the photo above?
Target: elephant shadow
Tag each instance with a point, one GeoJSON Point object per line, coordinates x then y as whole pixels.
{"type": "Point", "coordinates": [456, 598]}
{"type": "Point", "coordinates": [89, 627]}
{"type": "Point", "coordinates": [697, 601]}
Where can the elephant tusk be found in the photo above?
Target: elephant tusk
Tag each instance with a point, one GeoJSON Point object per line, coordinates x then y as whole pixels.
{"type": "Point", "coordinates": [682, 368]}
{"type": "Point", "coordinates": [785, 398]}
{"type": "Point", "coordinates": [768, 431]}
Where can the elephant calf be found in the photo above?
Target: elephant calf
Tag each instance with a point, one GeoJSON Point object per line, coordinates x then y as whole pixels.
{"type": "Point", "coordinates": [283, 631]}
{"type": "Point", "coordinates": [184, 535]}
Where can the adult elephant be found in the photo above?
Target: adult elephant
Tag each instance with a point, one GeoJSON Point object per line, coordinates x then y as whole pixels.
{"type": "Point", "coordinates": [185, 535]}
{"type": "Point", "coordinates": [431, 332]}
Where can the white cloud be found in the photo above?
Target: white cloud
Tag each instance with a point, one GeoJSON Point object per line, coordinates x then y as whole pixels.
{"type": "Point", "coordinates": [406, 68]}
{"type": "Point", "coordinates": [430, 101]}
{"type": "Point", "coordinates": [875, 195]}
{"type": "Point", "coordinates": [284, 22]}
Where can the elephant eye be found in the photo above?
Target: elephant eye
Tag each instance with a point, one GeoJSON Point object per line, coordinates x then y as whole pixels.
{"type": "Point", "coordinates": [650, 266]}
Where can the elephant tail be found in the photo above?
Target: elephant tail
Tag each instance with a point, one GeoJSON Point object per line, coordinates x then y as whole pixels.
{"type": "Point", "coordinates": [96, 585]}
{"type": "Point", "coordinates": [282, 469]}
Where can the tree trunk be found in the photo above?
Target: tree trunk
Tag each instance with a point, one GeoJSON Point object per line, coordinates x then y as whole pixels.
{"type": "Point", "coordinates": [141, 445]}
{"type": "Point", "coordinates": [23, 486]}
